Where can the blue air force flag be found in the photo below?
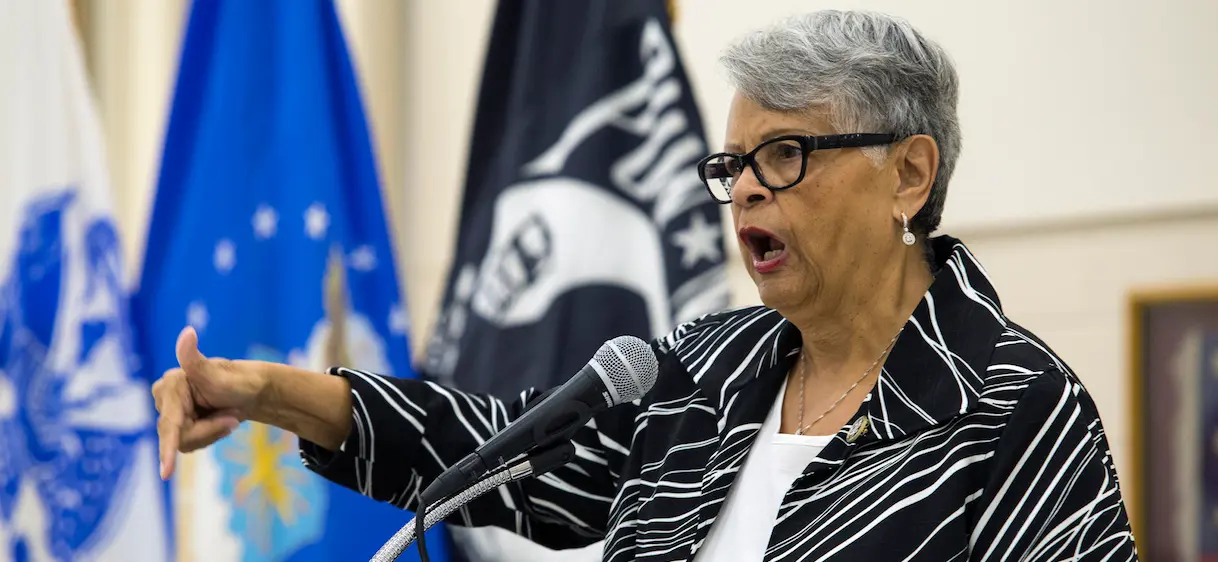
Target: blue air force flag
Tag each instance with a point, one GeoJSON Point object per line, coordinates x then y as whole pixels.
{"type": "Point", "coordinates": [78, 469]}
{"type": "Point", "coordinates": [268, 237]}
{"type": "Point", "coordinates": [583, 215]}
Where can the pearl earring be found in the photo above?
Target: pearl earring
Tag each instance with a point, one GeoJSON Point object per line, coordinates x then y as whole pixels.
{"type": "Point", "coordinates": [908, 237]}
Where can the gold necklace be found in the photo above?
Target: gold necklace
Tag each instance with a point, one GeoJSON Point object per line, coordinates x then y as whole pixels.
{"type": "Point", "coordinates": [803, 382]}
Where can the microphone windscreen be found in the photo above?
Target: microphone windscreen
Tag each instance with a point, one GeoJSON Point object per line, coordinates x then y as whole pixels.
{"type": "Point", "coordinates": [628, 366]}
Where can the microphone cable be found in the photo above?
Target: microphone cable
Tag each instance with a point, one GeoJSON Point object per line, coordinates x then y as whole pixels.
{"type": "Point", "coordinates": [425, 518]}
{"type": "Point", "coordinates": [532, 464]}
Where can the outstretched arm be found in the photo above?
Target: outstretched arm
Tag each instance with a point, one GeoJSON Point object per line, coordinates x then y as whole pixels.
{"type": "Point", "coordinates": [388, 438]}
{"type": "Point", "coordinates": [404, 433]}
{"type": "Point", "coordinates": [205, 399]}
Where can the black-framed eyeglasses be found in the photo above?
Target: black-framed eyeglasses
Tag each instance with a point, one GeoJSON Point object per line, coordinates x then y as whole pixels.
{"type": "Point", "coordinates": [778, 163]}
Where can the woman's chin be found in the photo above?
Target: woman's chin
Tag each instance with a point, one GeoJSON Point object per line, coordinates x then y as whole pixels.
{"type": "Point", "coordinates": [779, 292]}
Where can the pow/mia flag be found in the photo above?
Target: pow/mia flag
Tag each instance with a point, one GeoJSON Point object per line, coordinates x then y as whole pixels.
{"type": "Point", "coordinates": [583, 216]}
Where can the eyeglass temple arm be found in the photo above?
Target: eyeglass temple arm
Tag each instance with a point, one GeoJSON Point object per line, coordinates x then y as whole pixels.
{"type": "Point", "coordinates": [851, 141]}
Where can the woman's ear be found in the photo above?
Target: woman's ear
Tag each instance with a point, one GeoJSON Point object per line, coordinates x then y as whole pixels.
{"type": "Point", "coordinates": [917, 165]}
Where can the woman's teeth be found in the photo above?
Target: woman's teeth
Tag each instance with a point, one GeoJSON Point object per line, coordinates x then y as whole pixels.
{"type": "Point", "coordinates": [771, 254]}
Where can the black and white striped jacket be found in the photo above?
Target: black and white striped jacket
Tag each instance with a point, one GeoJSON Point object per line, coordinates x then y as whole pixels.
{"type": "Point", "coordinates": [980, 444]}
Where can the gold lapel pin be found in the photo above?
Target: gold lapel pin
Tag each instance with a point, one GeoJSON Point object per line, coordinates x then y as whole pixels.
{"type": "Point", "coordinates": [857, 429]}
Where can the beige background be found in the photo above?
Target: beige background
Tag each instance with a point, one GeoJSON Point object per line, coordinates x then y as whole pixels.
{"type": "Point", "coordinates": [1087, 170]}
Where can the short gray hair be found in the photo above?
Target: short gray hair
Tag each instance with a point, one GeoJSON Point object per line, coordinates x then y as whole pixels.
{"type": "Point", "coordinates": [874, 74]}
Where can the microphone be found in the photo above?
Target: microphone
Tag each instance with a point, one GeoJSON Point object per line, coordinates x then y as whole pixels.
{"type": "Point", "coordinates": [622, 370]}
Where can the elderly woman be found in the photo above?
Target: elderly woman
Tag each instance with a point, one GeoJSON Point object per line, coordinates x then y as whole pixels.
{"type": "Point", "coordinates": [880, 406]}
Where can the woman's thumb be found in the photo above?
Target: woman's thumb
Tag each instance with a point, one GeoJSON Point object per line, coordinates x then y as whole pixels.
{"type": "Point", "coordinates": [187, 350]}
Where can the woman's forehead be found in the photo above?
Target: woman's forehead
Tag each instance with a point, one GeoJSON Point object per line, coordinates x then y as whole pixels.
{"type": "Point", "coordinates": [749, 124]}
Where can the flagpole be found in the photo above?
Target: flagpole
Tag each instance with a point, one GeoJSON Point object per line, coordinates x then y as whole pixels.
{"type": "Point", "coordinates": [184, 508]}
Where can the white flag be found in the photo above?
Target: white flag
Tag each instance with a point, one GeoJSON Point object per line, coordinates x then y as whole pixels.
{"type": "Point", "coordinates": [78, 468]}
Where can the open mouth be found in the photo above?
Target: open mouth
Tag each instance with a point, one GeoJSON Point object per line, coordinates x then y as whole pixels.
{"type": "Point", "coordinates": [767, 249]}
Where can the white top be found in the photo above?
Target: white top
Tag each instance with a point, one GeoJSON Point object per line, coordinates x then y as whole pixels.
{"type": "Point", "coordinates": [742, 529]}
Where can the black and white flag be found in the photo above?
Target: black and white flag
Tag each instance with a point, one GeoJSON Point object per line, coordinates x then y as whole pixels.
{"type": "Point", "coordinates": [583, 216]}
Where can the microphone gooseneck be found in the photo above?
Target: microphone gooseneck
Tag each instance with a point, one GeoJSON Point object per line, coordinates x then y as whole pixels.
{"type": "Point", "coordinates": [534, 464]}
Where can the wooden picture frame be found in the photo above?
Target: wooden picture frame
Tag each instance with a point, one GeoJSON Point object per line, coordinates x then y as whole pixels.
{"type": "Point", "coordinates": [1173, 409]}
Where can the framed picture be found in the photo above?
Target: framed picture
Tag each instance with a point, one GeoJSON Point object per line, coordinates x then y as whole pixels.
{"type": "Point", "coordinates": [1174, 414]}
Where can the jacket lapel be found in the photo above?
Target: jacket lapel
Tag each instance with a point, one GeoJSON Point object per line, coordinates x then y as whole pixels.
{"type": "Point", "coordinates": [741, 373]}
{"type": "Point", "coordinates": [937, 368]}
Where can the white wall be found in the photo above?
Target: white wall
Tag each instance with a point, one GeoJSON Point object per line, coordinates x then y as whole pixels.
{"type": "Point", "coordinates": [1069, 107]}
{"type": "Point", "coordinates": [131, 49]}
{"type": "Point", "coordinates": [1085, 174]}
{"type": "Point", "coordinates": [443, 62]}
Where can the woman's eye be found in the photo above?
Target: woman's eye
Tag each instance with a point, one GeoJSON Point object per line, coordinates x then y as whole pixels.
{"type": "Point", "coordinates": [787, 151]}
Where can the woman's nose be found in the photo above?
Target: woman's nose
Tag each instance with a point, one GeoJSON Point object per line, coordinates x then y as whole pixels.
{"type": "Point", "coordinates": [748, 190]}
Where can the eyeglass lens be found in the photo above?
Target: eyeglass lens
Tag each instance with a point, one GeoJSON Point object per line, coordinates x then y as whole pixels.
{"type": "Point", "coordinates": [778, 166]}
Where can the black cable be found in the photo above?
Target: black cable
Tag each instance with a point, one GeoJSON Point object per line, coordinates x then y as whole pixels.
{"type": "Point", "coordinates": [540, 461]}
{"type": "Point", "coordinates": [419, 531]}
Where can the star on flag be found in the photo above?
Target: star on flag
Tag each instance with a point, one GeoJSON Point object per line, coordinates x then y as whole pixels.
{"type": "Point", "coordinates": [265, 222]}
{"type": "Point", "coordinates": [225, 256]}
{"type": "Point", "coordinates": [317, 221]}
{"type": "Point", "coordinates": [697, 242]}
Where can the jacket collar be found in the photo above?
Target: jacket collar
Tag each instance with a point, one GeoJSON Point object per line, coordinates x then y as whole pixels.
{"type": "Point", "coordinates": [934, 372]}
{"type": "Point", "coordinates": [938, 366]}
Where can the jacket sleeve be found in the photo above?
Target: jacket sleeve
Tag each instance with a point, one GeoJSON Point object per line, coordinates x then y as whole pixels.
{"type": "Point", "coordinates": [405, 432]}
{"type": "Point", "coordinates": [1053, 494]}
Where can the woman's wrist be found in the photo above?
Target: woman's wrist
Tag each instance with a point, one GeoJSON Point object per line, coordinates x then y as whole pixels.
{"type": "Point", "coordinates": [268, 404]}
{"type": "Point", "coordinates": [314, 406]}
